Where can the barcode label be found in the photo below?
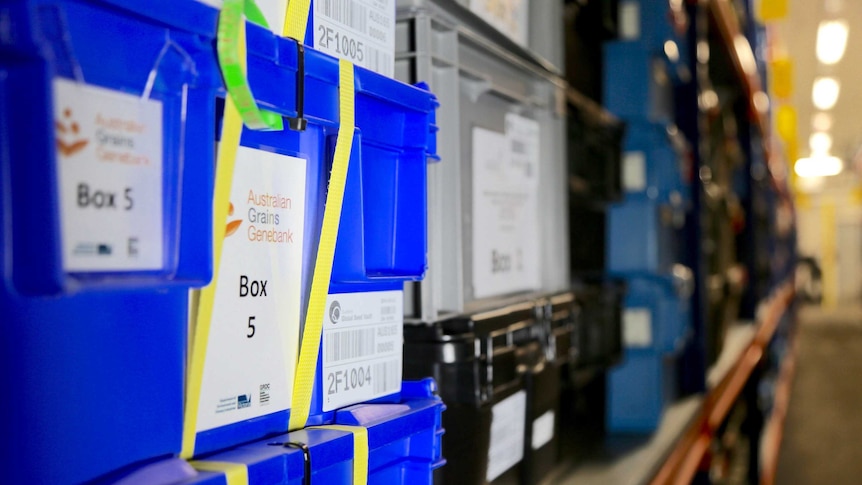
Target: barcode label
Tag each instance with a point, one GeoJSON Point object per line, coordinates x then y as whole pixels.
{"type": "Point", "coordinates": [362, 347]}
{"type": "Point", "coordinates": [360, 31]}
{"type": "Point", "coordinates": [523, 135]}
{"type": "Point", "coordinates": [378, 61]}
{"type": "Point", "coordinates": [349, 345]}
{"type": "Point", "coordinates": [347, 12]}
{"type": "Point", "coordinates": [387, 377]}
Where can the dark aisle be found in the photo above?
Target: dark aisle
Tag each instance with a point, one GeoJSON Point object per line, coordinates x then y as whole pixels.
{"type": "Point", "coordinates": [823, 431]}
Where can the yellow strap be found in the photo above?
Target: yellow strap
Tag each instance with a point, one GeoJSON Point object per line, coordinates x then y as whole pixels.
{"type": "Point", "coordinates": [296, 19]}
{"type": "Point", "coordinates": [360, 450]}
{"type": "Point", "coordinates": [226, 158]}
{"type": "Point", "coordinates": [303, 384]}
{"type": "Point", "coordinates": [236, 473]}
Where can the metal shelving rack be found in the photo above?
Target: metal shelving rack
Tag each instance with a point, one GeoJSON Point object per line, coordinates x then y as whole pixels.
{"type": "Point", "coordinates": [678, 452]}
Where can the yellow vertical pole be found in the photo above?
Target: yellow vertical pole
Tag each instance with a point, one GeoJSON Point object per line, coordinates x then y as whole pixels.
{"type": "Point", "coordinates": [828, 229]}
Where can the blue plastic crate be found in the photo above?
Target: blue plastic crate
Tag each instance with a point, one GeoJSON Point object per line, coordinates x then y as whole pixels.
{"type": "Point", "coordinates": [404, 442]}
{"type": "Point", "coordinates": [653, 22]}
{"type": "Point", "coordinates": [637, 83]}
{"type": "Point", "coordinates": [382, 235]}
{"type": "Point", "coordinates": [93, 353]}
{"type": "Point", "coordinates": [642, 236]}
{"type": "Point", "coordinates": [657, 163]}
{"type": "Point", "coordinates": [54, 62]}
{"type": "Point", "coordinates": [639, 390]}
{"type": "Point", "coordinates": [657, 311]}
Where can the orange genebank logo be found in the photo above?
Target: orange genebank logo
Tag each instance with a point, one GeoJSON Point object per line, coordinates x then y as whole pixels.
{"type": "Point", "coordinates": [63, 128]}
{"type": "Point", "coordinates": [115, 139]}
{"type": "Point", "coordinates": [233, 225]}
{"type": "Point", "coordinates": [263, 211]}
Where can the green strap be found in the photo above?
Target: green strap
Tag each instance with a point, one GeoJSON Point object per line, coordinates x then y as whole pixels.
{"type": "Point", "coordinates": [231, 48]}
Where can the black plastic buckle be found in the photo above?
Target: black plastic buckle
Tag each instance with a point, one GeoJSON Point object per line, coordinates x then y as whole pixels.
{"type": "Point", "coordinates": [306, 455]}
{"type": "Point", "coordinates": [299, 123]}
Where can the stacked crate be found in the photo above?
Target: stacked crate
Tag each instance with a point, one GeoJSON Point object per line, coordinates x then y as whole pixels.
{"type": "Point", "coordinates": [646, 244]}
{"type": "Point", "coordinates": [595, 140]}
{"type": "Point", "coordinates": [128, 105]}
{"type": "Point", "coordinates": [493, 318]}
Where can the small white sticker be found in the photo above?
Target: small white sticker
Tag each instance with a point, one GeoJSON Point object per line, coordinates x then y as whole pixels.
{"type": "Point", "coordinates": [360, 31]}
{"type": "Point", "coordinates": [543, 430]}
{"type": "Point", "coordinates": [507, 434]}
{"type": "Point", "coordinates": [362, 347]}
{"type": "Point", "coordinates": [630, 19]}
{"type": "Point", "coordinates": [637, 327]}
{"type": "Point", "coordinates": [254, 334]}
{"type": "Point", "coordinates": [634, 172]}
{"type": "Point", "coordinates": [109, 164]}
{"type": "Point", "coordinates": [511, 17]}
{"type": "Point", "coordinates": [505, 208]}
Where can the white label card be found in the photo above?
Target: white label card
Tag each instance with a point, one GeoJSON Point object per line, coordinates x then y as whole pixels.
{"type": "Point", "coordinates": [362, 347]}
{"type": "Point", "coordinates": [637, 327]}
{"type": "Point", "coordinates": [254, 334]}
{"type": "Point", "coordinates": [360, 31]}
{"type": "Point", "coordinates": [543, 430]}
{"type": "Point", "coordinates": [507, 434]}
{"type": "Point", "coordinates": [511, 17]}
{"type": "Point", "coordinates": [505, 208]}
{"type": "Point", "coordinates": [634, 172]}
{"type": "Point", "coordinates": [110, 177]}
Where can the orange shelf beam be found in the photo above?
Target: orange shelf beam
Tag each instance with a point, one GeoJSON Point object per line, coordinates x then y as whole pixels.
{"type": "Point", "coordinates": [688, 454]}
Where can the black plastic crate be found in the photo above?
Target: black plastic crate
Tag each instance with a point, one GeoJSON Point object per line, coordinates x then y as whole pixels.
{"type": "Point", "coordinates": [560, 311]}
{"type": "Point", "coordinates": [484, 364]}
{"type": "Point", "coordinates": [595, 140]}
{"type": "Point", "coordinates": [599, 324]}
{"type": "Point", "coordinates": [587, 26]}
{"type": "Point", "coordinates": [542, 383]}
{"type": "Point", "coordinates": [588, 236]}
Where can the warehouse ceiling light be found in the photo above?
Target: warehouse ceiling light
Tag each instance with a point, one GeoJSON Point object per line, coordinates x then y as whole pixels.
{"type": "Point", "coordinates": [821, 122]}
{"type": "Point", "coordinates": [831, 41]}
{"type": "Point", "coordinates": [824, 93]}
{"type": "Point", "coordinates": [818, 166]}
{"type": "Point", "coordinates": [820, 143]}
{"type": "Point", "coordinates": [810, 184]}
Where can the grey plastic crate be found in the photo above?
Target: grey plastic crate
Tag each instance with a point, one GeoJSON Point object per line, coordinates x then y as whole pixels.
{"type": "Point", "coordinates": [544, 43]}
{"type": "Point", "coordinates": [540, 23]}
{"type": "Point", "coordinates": [479, 83]}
